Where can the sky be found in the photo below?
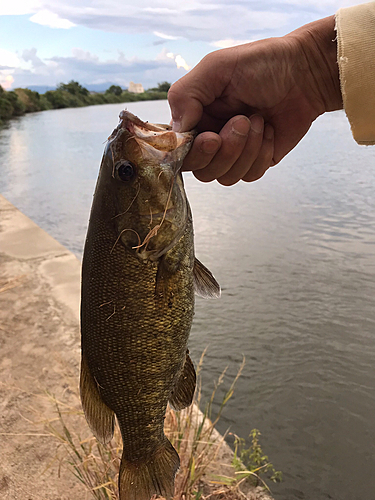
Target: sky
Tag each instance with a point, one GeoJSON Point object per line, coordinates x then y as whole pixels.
{"type": "Point", "coordinates": [118, 41]}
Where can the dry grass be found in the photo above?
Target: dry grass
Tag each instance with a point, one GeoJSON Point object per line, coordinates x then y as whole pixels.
{"type": "Point", "coordinates": [191, 431]}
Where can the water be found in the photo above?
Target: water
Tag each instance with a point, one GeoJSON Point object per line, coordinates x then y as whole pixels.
{"type": "Point", "coordinates": [295, 255]}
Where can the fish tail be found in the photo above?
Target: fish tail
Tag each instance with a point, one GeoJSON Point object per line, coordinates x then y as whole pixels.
{"type": "Point", "coordinates": [142, 480]}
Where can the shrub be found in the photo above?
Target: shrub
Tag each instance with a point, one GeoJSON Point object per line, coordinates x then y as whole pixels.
{"type": "Point", "coordinates": [6, 108]}
{"type": "Point", "coordinates": [114, 89]}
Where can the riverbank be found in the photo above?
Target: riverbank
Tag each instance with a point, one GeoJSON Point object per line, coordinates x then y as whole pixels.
{"type": "Point", "coordinates": [39, 338]}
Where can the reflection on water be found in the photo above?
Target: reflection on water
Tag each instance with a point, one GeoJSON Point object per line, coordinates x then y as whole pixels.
{"type": "Point", "coordinates": [294, 253]}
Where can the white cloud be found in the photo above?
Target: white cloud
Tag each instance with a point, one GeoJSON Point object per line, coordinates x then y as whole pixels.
{"type": "Point", "coordinates": [18, 7]}
{"type": "Point", "coordinates": [167, 19]}
{"type": "Point", "coordinates": [203, 20]}
{"type": "Point", "coordinates": [195, 20]}
{"type": "Point", "coordinates": [6, 80]}
{"type": "Point", "coordinates": [87, 68]}
{"type": "Point", "coordinates": [166, 37]}
{"type": "Point", "coordinates": [84, 55]}
{"type": "Point", "coordinates": [170, 20]}
{"type": "Point", "coordinates": [181, 63]}
{"type": "Point", "coordinates": [177, 58]}
{"type": "Point", "coordinates": [326, 5]}
{"type": "Point", "coordinates": [8, 58]}
{"type": "Point", "coordinates": [29, 55]}
{"type": "Point", "coordinates": [229, 42]}
{"type": "Point", "coordinates": [51, 19]}
{"type": "Point", "coordinates": [11, 62]}
{"type": "Point", "coordinates": [160, 10]}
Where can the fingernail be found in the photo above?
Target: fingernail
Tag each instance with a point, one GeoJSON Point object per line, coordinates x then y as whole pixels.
{"type": "Point", "coordinates": [257, 124]}
{"type": "Point", "coordinates": [210, 146]}
{"type": "Point", "coordinates": [268, 132]}
{"type": "Point", "coordinates": [176, 126]}
{"type": "Point", "coordinates": [241, 126]}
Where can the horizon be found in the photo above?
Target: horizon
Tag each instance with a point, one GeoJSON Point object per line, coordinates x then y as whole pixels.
{"type": "Point", "coordinates": [45, 44]}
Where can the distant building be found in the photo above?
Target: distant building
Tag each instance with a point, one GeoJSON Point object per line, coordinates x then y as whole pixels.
{"type": "Point", "coordinates": [136, 88]}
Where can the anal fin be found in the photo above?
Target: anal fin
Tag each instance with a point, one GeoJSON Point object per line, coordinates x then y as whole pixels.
{"type": "Point", "coordinates": [183, 393]}
{"type": "Point", "coordinates": [100, 418]}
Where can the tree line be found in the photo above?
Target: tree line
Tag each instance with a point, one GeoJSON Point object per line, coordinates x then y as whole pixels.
{"type": "Point", "coordinates": [70, 95]}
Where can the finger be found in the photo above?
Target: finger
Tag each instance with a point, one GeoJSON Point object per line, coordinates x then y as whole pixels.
{"type": "Point", "coordinates": [199, 88]}
{"type": "Point", "coordinates": [186, 110]}
{"type": "Point", "coordinates": [234, 137]}
{"type": "Point", "coordinates": [249, 153]}
{"type": "Point", "coordinates": [202, 151]}
{"type": "Point", "coordinates": [265, 157]}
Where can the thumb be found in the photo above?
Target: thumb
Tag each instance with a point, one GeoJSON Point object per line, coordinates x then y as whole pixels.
{"type": "Point", "coordinates": [186, 110]}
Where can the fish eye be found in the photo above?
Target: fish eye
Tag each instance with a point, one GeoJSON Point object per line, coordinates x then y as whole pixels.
{"type": "Point", "coordinates": [125, 170]}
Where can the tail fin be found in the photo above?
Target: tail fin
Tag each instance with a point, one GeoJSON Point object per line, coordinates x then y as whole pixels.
{"type": "Point", "coordinates": [141, 480]}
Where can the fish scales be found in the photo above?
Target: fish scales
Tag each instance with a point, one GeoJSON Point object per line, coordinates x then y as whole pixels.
{"type": "Point", "coordinates": [135, 342]}
{"type": "Point", "coordinates": [138, 278]}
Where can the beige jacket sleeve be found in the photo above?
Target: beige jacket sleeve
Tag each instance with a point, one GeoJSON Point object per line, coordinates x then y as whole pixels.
{"type": "Point", "coordinates": [356, 59]}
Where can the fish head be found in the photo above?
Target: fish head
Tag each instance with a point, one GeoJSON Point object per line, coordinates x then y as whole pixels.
{"type": "Point", "coordinates": [146, 185]}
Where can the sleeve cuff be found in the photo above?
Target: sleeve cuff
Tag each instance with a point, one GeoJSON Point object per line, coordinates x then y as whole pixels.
{"type": "Point", "coordinates": [356, 59]}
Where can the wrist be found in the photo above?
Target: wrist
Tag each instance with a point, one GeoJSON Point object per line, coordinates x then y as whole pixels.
{"type": "Point", "coordinates": [317, 41]}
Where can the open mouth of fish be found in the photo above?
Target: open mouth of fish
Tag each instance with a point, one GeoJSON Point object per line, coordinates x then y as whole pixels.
{"type": "Point", "coordinates": [156, 139]}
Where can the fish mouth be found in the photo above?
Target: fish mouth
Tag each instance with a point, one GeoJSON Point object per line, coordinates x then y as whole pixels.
{"type": "Point", "coordinates": [158, 140]}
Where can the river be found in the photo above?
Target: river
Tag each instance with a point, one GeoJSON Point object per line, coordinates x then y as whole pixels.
{"type": "Point", "coordinates": [295, 255]}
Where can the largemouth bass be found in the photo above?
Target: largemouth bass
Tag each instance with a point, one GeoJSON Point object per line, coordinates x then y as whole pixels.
{"type": "Point", "coordinates": [138, 278]}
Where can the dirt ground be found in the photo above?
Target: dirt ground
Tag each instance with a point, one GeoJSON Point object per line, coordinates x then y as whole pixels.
{"type": "Point", "coordinates": [39, 362]}
{"type": "Point", "coordinates": [39, 354]}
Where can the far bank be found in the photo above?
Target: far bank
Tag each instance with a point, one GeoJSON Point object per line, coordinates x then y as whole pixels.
{"type": "Point", "coordinates": [73, 95]}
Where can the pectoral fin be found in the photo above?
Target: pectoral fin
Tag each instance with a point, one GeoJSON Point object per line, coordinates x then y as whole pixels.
{"type": "Point", "coordinates": [100, 418]}
{"type": "Point", "coordinates": [183, 393]}
{"type": "Point", "coordinates": [204, 283]}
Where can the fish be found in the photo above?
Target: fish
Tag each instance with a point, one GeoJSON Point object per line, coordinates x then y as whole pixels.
{"type": "Point", "coordinates": [139, 277]}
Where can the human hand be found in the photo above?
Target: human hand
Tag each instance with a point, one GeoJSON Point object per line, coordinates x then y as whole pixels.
{"type": "Point", "coordinates": [253, 103]}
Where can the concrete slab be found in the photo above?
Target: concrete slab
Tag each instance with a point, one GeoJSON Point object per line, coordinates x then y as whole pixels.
{"type": "Point", "coordinates": [40, 352]}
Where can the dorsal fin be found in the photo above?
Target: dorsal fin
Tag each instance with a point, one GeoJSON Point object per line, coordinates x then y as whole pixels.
{"type": "Point", "coordinates": [204, 282]}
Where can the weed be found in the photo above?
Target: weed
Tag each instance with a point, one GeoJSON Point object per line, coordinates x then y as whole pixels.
{"type": "Point", "coordinates": [252, 462]}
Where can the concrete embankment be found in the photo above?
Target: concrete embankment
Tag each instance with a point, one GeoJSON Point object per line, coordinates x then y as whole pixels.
{"type": "Point", "coordinates": [39, 345]}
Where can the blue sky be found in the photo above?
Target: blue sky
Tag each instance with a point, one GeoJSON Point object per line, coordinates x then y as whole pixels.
{"type": "Point", "coordinates": [97, 41]}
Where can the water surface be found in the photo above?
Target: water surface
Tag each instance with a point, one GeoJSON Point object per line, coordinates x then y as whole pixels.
{"type": "Point", "coordinates": [295, 255]}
